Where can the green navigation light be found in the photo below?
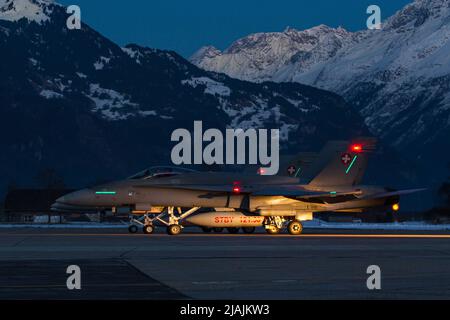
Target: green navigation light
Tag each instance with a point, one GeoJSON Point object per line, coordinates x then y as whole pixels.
{"type": "Point", "coordinates": [351, 165]}
{"type": "Point", "coordinates": [106, 192]}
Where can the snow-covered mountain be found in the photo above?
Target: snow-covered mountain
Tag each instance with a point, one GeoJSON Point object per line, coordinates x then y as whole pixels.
{"type": "Point", "coordinates": [264, 56]}
{"type": "Point", "coordinates": [32, 10]}
{"type": "Point", "coordinates": [397, 77]}
{"type": "Point", "coordinates": [76, 102]}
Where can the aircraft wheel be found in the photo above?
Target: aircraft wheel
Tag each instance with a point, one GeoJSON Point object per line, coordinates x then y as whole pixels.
{"type": "Point", "coordinates": [218, 230]}
{"type": "Point", "coordinates": [295, 228]}
{"type": "Point", "coordinates": [174, 229]}
{"type": "Point", "coordinates": [206, 230]}
{"type": "Point", "coordinates": [133, 229]}
{"type": "Point", "coordinates": [149, 229]}
{"type": "Point", "coordinates": [233, 230]}
{"type": "Point", "coordinates": [249, 230]}
{"type": "Point", "coordinates": [273, 230]}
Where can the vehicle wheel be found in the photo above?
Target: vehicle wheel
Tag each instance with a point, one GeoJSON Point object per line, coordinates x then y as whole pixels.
{"type": "Point", "coordinates": [295, 228]}
{"type": "Point", "coordinates": [249, 230]}
{"type": "Point", "coordinates": [149, 229]}
{"type": "Point", "coordinates": [233, 230]}
{"type": "Point", "coordinates": [206, 230]}
{"type": "Point", "coordinates": [132, 229]}
{"type": "Point", "coordinates": [273, 230]}
{"type": "Point", "coordinates": [218, 230]}
{"type": "Point", "coordinates": [174, 229]}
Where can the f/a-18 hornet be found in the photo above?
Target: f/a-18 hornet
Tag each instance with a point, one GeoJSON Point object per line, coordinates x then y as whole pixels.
{"type": "Point", "coordinates": [171, 196]}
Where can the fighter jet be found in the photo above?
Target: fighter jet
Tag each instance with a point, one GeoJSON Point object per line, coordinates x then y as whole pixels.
{"type": "Point", "coordinates": [171, 196]}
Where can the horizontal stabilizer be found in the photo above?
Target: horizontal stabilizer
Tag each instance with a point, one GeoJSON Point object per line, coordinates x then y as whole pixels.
{"type": "Point", "coordinates": [392, 194]}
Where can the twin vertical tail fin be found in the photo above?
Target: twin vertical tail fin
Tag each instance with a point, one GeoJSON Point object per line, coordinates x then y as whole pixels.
{"type": "Point", "coordinates": [342, 163]}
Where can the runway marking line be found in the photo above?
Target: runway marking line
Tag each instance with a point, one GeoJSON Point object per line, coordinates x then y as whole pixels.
{"type": "Point", "coordinates": [381, 236]}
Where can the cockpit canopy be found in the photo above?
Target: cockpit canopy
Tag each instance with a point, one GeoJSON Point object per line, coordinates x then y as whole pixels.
{"type": "Point", "coordinates": [160, 172]}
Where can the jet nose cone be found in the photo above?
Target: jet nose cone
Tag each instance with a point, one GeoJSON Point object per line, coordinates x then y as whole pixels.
{"type": "Point", "coordinates": [76, 198]}
{"type": "Point", "coordinates": [61, 200]}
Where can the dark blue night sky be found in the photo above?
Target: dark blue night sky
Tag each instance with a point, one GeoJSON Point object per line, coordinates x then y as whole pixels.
{"type": "Point", "coordinates": [185, 26]}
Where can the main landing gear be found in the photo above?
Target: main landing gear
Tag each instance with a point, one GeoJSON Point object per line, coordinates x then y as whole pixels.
{"type": "Point", "coordinates": [274, 225]}
{"type": "Point", "coordinates": [169, 218]}
{"type": "Point", "coordinates": [273, 229]}
{"type": "Point", "coordinates": [295, 228]}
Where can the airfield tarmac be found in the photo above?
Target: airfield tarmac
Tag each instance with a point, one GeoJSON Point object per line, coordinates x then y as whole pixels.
{"type": "Point", "coordinates": [322, 264]}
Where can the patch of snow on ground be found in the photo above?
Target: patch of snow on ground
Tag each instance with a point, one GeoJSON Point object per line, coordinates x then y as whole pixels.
{"type": "Point", "coordinates": [212, 87]}
{"type": "Point", "coordinates": [257, 115]}
{"type": "Point", "coordinates": [109, 103]}
{"type": "Point", "coordinates": [148, 113]}
{"type": "Point", "coordinates": [34, 62]}
{"type": "Point", "coordinates": [99, 65]}
{"type": "Point", "coordinates": [49, 94]}
{"type": "Point", "coordinates": [133, 54]}
{"type": "Point", "coordinates": [115, 106]}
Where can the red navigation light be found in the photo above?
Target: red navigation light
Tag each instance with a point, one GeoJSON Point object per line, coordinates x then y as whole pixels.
{"type": "Point", "coordinates": [357, 148]}
{"type": "Point", "coordinates": [261, 171]}
{"type": "Point", "coordinates": [236, 187]}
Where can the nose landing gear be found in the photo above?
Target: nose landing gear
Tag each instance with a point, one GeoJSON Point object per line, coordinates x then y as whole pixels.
{"type": "Point", "coordinates": [149, 229]}
{"type": "Point", "coordinates": [168, 217]}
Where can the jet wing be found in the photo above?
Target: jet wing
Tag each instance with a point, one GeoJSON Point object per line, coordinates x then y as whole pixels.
{"type": "Point", "coordinates": [266, 190]}
{"type": "Point", "coordinates": [195, 187]}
